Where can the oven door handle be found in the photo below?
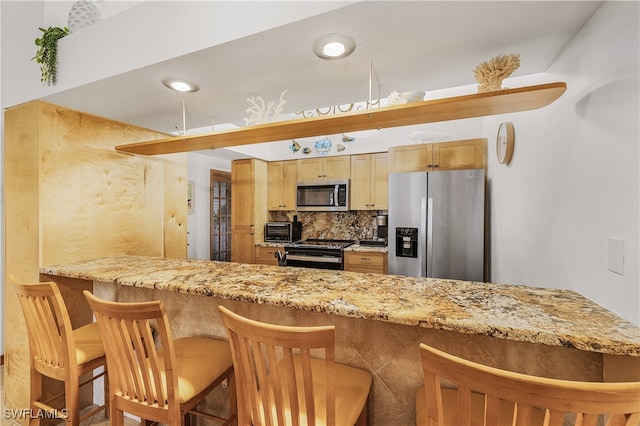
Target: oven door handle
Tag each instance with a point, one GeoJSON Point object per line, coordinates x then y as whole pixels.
{"type": "Point", "coordinates": [319, 259]}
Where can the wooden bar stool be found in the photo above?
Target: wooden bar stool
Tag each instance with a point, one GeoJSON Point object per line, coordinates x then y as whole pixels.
{"type": "Point", "coordinates": [504, 397]}
{"type": "Point", "coordinates": [59, 352]}
{"type": "Point", "coordinates": [158, 384]}
{"type": "Point", "coordinates": [280, 383]}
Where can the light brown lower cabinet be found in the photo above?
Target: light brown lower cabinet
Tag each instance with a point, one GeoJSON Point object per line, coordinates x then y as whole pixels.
{"type": "Point", "coordinates": [358, 261]}
{"type": "Point", "coordinates": [266, 255]}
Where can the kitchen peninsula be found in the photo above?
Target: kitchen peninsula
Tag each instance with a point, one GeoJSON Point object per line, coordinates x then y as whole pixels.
{"type": "Point", "coordinates": [380, 319]}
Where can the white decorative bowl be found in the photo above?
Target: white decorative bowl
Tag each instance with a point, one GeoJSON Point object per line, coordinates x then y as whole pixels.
{"type": "Point", "coordinates": [396, 98]}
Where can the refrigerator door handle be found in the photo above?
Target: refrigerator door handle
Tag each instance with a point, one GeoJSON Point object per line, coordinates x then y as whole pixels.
{"type": "Point", "coordinates": [429, 259]}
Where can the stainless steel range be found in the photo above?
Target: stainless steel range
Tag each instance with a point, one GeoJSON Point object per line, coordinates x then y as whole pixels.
{"type": "Point", "coordinates": [317, 253]}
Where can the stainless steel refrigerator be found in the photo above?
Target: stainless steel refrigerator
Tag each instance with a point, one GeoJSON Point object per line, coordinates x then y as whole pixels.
{"type": "Point", "coordinates": [436, 224]}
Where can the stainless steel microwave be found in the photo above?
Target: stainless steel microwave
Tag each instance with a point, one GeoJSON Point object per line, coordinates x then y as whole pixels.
{"type": "Point", "coordinates": [330, 196]}
{"type": "Point", "coordinates": [285, 232]}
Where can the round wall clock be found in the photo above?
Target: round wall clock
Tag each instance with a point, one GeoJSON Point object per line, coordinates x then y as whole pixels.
{"type": "Point", "coordinates": [505, 141]}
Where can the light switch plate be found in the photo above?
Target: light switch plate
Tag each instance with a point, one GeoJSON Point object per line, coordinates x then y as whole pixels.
{"type": "Point", "coordinates": [616, 255]}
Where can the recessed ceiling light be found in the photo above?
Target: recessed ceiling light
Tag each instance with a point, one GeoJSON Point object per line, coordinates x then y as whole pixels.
{"type": "Point", "coordinates": [333, 49]}
{"type": "Point", "coordinates": [334, 46]}
{"type": "Point", "coordinates": [180, 85]}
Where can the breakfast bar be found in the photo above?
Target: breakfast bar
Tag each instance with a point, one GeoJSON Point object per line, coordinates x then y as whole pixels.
{"type": "Point", "coordinates": [380, 319]}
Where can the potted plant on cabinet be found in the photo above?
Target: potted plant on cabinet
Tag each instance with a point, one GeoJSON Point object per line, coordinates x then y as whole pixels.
{"type": "Point", "coordinates": [47, 54]}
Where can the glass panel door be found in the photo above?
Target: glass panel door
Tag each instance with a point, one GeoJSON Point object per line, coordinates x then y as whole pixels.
{"type": "Point", "coordinates": [220, 216]}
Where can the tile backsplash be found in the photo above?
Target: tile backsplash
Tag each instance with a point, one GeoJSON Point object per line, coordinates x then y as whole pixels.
{"type": "Point", "coordinates": [356, 224]}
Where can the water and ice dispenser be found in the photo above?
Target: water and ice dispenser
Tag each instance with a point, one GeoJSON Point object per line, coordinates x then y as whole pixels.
{"type": "Point", "coordinates": [407, 242]}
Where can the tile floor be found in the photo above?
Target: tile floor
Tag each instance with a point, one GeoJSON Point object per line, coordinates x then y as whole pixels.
{"type": "Point", "coordinates": [96, 420]}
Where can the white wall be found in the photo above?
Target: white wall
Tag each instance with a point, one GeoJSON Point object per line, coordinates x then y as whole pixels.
{"type": "Point", "coordinates": [574, 181]}
{"type": "Point", "coordinates": [199, 167]}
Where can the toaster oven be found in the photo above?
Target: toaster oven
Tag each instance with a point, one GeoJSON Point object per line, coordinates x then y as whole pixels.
{"type": "Point", "coordinates": [285, 232]}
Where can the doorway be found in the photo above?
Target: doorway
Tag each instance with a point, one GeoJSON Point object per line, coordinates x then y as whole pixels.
{"type": "Point", "coordinates": [220, 227]}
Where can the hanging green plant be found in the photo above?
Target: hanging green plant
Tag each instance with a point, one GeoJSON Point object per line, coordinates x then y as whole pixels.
{"type": "Point", "coordinates": [47, 54]}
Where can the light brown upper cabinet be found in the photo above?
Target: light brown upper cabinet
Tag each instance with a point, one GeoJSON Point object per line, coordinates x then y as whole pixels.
{"type": "Point", "coordinates": [281, 180]}
{"type": "Point", "coordinates": [248, 208]}
{"type": "Point", "coordinates": [456, 155]}
{"type": "Point", "coordinates": [370, 181]}
{"type": "Point", "coordinates": [324, 168]}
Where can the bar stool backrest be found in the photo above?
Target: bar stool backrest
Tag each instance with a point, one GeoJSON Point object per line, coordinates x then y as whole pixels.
{"type": "Point", "coordinates": [561, 401]}
{"type": "Point", "coordinates": [58, 351]}
{"type": "Point", "coordinates": [275, 374]}
{"type": "Point", "coordinates": [51, 340]}
{"type": "Point", "coordinates": [141, 376]}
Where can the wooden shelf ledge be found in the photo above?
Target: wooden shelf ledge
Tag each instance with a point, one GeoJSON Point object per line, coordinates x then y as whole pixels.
{"type": "Point", "coordinates": [431, 111]}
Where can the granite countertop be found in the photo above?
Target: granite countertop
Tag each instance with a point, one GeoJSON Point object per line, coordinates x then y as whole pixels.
{"type": "Point", "coordinates": [538, 315]}
{"type": "Point", "coordinates": [368, 249]}
{"type": "Point", "coordinates": [355, 247]}
{"type": "Point", "coordinates": [271, 244]}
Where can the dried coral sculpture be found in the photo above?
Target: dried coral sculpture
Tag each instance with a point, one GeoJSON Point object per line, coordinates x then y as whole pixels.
{"type": "Point", "coordinates": [260, 113]}
{"type": "Point", "coordinates": [491, 73]}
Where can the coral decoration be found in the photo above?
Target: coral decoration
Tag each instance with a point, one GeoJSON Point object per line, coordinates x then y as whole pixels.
{"type": "Point", "coordinates": [260, 113]}
{"type": "Point", "coordinates": [491, 73]}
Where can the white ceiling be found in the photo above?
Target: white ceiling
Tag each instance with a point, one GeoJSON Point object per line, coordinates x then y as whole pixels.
{"type": "Point", "coordinates": [414, 45]}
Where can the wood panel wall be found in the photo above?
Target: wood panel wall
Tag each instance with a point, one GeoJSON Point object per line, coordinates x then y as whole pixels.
{"type": "Point", "coordinates": [70, 196]}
